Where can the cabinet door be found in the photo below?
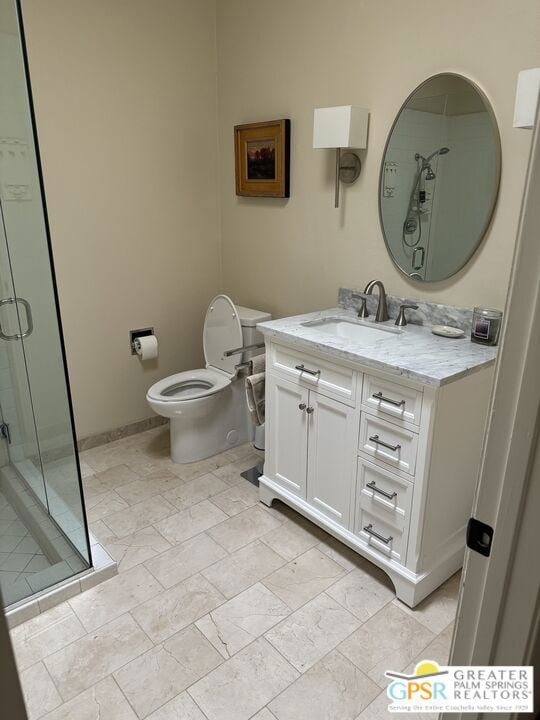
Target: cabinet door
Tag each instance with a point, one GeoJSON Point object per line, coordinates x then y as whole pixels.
{"type": "Point", "coordinates": [332, 441]}
{"type": "Point", "coordinates": [286, 434]}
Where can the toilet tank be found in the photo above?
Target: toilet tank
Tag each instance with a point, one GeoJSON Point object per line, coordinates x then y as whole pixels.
{"type": "Point", "coordinates": [250, 335]}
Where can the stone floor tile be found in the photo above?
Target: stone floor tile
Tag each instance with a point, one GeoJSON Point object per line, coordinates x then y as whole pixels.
{"type": "Point", "coordinates": [182, 707]}
{"type": "Point", "coordinates": [303, 578]}
{"type": "Point", "coordinates": [101, 532]}
{"type": "Point", "coordinates": [111, 479]}
{"type": "Point", "coordinates": [242, 529]}
{"type": "Point", "coordinates": [144, 488]}
{"type": "Point", "coordinates": [312, 631]}
{"type": "Point", "coordinates": [264, 714]}
{"type": "Point", "coordinates": [439, 608]}
{"type": "Point", "coordinates": [243, 568]}
{"type": "Point", "coordinates": [185, 524]}
{"type": "Point", "coordinates": [45, 634]}
{"type": "Point", "coordinates": [244, 684]}
{"type": "Point", "coordinates": [363, 592]}
{"type": "Point", "coordinates": [166, 670]}
{"type": "Point", "coordinates": [91, 658]}
{"type": "Point", "coordinates": [378, 710]}
{"type": "Point", "coordinates": [333, 688]}
{"type": "Point", "coordinates": [190, 471]}
{"type": "Point", "coordinates": [237, 498]}
{"type": "Point", "coordinates": [342, 554]}
{"type": "Point", "coordinates": [293, 538]}
{"type": "Point", "coordinates": [184, 560]}
{"type": "Point", "coordinates": [137, 548]}
{"type": "Point", "coordinates": [40, 694]}
{"type": "Point", "coordinates": [438, 649]}
{"type": "Point", "coordinates": [103, 701]}
{"type": "Point", "coordinates": [194, 491]}
{"type": "Point", "coordinates": [104, 504]}
{"type": "Point", "coordinates": [114, 597]}
{"type": "Point", "coordinates": [137, 517]}
{"type": "Point", "coordinates": [236, 623]}
{"type": "Point", "coordinates": [388, 641]}
{"type": "Point", "coordinates": [230, 472]}
{"type": "Point", "coordinates": [177, 608]}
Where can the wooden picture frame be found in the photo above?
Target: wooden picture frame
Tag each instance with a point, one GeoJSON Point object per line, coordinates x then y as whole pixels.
{"type": "Point", "coordinates": [262, 158]}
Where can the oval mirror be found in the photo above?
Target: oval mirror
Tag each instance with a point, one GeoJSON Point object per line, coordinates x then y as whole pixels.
{"type": "Point", "coordinates": [439, 177]}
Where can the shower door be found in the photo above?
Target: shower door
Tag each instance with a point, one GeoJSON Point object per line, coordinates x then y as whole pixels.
{"type": "Point", "coordinates": [43, 529]}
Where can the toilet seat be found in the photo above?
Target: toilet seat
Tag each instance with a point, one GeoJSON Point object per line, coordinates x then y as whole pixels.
{"type": "Point", "coordinates": [222, 331]}
{"type": "Point", "coordinates": [189, 385]}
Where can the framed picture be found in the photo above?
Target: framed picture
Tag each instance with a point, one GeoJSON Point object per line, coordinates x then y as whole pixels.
{"type": "Point", "coordinates": [262, 158]}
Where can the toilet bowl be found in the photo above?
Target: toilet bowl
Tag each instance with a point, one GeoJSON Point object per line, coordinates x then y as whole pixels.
{"type": "Point", "coordinates": [207, 407]}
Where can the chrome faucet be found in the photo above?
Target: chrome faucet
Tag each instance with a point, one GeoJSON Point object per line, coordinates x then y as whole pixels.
{"type": "Point", "coordinates": [382, 310]}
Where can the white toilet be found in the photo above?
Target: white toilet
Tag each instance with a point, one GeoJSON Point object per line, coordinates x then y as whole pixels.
{"type": "Point", "coordinates": [207, 407]}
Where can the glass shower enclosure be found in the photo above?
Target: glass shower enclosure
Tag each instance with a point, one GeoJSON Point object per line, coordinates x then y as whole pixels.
{"type": "Point", "coordinates": [43, 529]}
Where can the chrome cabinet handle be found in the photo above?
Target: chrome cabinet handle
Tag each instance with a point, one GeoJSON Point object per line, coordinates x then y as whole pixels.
{"type": "Point", "coordinates": [310, 410]}
{"type": "Point", "coordinates": [29, 320]}
{"type": "Point", "coordinates": [302, 368]}
{"type": "Point", "coordinates": [302, 406]}
{"type": "Point", "coordinates": [375, 439]}
{"type": "Point", "coordinates": [370, 531]}
{"type": "Point", "coordinates": [380, 396]}
{"type": "Point", "coordinates": [371, 485]}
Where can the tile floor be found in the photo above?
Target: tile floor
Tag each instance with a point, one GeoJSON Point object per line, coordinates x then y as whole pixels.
{"type": "Point", "coordinates": [223, 609]}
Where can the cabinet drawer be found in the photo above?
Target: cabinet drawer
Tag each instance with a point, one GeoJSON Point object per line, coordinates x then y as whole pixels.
{"type": "Point", "coordinates": [384, 397]}
{"type": "Point", "coordinates": [326, 377]}
{"type": "Point", "coordinates": [383, 495]}
{"type": "Point", "coordinates": [388, 443]}
{"type": "Point", "coordinates": [381, 536]}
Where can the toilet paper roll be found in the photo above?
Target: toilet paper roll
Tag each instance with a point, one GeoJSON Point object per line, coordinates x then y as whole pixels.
{"type": "Point", "coordinates": [146, 347]}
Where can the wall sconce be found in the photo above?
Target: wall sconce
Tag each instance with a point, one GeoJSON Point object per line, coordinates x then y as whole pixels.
{"type": "Point", "coordinates": [345, 126]}
{"type": "Point", "coordinates": [528, 87]}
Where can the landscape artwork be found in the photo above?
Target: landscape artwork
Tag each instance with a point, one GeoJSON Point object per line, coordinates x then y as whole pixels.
{"type": "Point", "coordinates": [261, 160]}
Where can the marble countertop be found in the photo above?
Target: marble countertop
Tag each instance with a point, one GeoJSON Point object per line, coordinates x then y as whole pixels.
{"type": "Point", "coordinates": [415, 352]}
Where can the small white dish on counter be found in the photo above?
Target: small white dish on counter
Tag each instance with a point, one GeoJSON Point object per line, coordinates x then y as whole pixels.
{"type": "Point", "coordinates": [447, 331]}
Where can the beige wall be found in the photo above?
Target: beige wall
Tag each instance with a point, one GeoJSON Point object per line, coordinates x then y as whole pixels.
{"type": "Point", "coordinates": [284, 59]}
{"type": "Point", "coordinates": [125, 96]}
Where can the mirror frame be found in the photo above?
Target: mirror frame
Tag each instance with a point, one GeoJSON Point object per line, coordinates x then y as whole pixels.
{"type": "Point", "coordinates": [498, 165]}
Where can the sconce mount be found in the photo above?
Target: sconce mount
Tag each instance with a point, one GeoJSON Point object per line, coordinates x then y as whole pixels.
{"type": "Point", "coordinates": [345, 126]}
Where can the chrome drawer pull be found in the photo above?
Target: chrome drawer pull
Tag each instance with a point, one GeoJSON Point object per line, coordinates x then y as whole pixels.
{"type": "Point", "coordinates": [380, 396]}
{"type": "Point", "coordinates": [375, 439]}
{"type": "Point", "coordinates": [370, 531]}
{"type": "Point", "coordinates": [302, 368]}
{"type": "Point", "coordinates": [371, 485]}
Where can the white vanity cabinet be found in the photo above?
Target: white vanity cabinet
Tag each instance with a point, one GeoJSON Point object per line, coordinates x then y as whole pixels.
{"type": "Point", "coordinates": [386, 464]}
{"type": "Point", "coordinates": [312, 438]}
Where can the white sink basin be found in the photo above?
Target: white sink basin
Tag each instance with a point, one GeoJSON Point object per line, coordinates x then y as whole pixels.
{"type": "Point", "coordinates": [352, 330]}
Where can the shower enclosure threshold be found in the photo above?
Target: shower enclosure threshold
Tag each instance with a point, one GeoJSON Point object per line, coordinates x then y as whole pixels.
{"type": "Point", "coordinates": [104, 567]}
{"type": "Point", "coordinates": [56, 570]}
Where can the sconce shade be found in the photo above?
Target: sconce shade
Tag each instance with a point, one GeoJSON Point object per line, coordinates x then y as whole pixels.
{"type": "Point", "coordinates": [528, 87]}
{"type": "Point", "coordinates": [345, 126]}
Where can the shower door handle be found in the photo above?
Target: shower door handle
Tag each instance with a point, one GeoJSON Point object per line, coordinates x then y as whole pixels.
{"type": "Point", "coordinates": [29, 320]}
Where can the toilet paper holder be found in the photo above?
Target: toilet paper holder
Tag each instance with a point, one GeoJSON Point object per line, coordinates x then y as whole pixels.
{"type": "Point", "coordinates": [135, 334]}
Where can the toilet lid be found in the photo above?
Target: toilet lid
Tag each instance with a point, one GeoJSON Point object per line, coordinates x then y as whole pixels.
{"type": "Point", "coordinates": [222, 331]}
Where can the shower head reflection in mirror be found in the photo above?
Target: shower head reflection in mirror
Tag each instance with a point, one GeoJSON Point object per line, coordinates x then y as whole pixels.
{"type": "Point", "coordinates": [412, 227]}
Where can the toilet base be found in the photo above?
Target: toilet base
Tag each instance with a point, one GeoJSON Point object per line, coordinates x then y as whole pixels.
{"type": "Point", "coordinates": [224, 427]}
